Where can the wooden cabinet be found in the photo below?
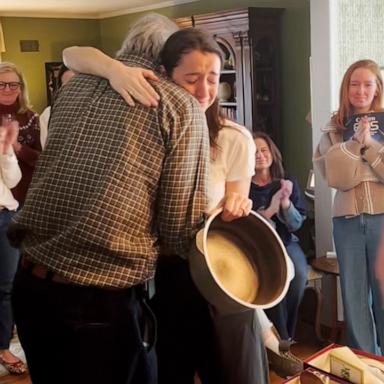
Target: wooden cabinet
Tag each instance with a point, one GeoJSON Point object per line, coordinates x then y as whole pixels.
{"type": "Point", "coordinates": [249, 90]}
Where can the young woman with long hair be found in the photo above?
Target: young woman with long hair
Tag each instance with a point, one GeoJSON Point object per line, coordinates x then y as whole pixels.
{"type": "Point", "coordinates": [354, 166]}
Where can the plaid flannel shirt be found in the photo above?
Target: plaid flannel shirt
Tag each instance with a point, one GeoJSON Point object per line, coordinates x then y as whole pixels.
{"type": "Point", "coordinates": [115, 183]}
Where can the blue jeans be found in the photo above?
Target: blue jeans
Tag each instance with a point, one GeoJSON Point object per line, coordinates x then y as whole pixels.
{"type": "Point", "coordinates": [357, 240]}
{"type": "Point", "coordinates": [284, 314]}
{"type": "Point", "coordinates": [9, 258]}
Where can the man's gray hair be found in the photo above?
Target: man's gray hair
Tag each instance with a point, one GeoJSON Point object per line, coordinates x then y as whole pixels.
{"type": "Point", "coordinates": [147, 36]}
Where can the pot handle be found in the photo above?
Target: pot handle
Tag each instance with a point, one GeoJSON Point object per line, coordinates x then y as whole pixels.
{"type": "Point", "coordinates": [199, 241]}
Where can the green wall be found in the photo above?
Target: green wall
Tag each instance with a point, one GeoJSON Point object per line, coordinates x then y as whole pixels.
{"type": "Point", "coordinates": [53, 36]}
{"type": "Point", "coordinates": [56, 34]}
{"type": "Point", "coordinates": [295, 85]}
{"type": "Point", "coordinates": [296, 99]}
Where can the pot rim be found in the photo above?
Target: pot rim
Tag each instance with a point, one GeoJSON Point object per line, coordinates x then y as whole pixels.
{"type": "Point", "coordinates": [282, 246]}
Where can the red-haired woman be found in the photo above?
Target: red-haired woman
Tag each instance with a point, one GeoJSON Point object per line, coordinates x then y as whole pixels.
{"type": "Point", "coordinates": [355, 168]}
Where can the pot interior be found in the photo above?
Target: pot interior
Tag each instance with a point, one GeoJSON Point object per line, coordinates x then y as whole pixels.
{"type": "Point", "coordinates": [246, 259]}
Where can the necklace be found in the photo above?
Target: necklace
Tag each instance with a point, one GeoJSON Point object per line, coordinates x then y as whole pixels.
{"type": "Point", "coordinates": [29, 123]}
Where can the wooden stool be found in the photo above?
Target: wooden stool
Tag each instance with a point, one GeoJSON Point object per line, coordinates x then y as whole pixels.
{"type": "Point", "coordinates": [329, 266]}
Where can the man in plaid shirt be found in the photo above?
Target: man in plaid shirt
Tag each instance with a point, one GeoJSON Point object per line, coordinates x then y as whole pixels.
{"type": "Point", "coordinates": [113, 186]}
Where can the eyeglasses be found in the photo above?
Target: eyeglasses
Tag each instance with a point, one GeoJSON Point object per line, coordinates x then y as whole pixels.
{"type": "Point", "coordinates": [13, 85]}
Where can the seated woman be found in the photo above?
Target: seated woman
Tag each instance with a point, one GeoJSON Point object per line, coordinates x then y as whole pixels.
{"type": "Point", "coordinates": [278, 198]}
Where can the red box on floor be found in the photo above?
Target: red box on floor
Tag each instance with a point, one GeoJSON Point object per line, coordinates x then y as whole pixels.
{"type": "Point", "coordinates": [318, 361]}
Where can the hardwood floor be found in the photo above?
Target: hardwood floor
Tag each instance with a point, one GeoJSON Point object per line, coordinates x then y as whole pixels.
{"type": "Point", "coordinates": [23, 379]}
{"type": "Point", "coordinates": [302, 350]}
{"type": "Point", "coordinates": [306, 346]}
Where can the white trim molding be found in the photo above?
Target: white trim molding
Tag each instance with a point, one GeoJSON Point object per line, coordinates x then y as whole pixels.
{"type": "Point", "coordinates": [90, 13]}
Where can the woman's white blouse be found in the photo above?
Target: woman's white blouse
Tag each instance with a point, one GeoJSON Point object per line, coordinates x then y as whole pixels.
{"type": "Point", "coordinates": [233, 160]}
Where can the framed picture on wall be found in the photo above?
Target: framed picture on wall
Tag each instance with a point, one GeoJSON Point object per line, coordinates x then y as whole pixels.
{"type": "Point", "coordinates": [52, 79]}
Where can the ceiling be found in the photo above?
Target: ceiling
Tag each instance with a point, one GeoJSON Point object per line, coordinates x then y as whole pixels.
{"type": "Point", "coordinates": [81, 8]}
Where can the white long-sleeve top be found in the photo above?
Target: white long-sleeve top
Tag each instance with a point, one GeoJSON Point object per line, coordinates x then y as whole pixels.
{"type": "Point", "coordinates": [44, 120]}
{"type": "Point", "coordinates": [10, 175]}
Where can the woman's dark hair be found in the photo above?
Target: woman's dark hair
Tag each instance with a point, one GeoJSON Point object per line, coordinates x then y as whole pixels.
{"type": "Point", "coordinates": [62, 70]}
{"type": "Point", "coordinates": [277, 169]}
{"type": "Point", "coordinates": [183, 42]}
